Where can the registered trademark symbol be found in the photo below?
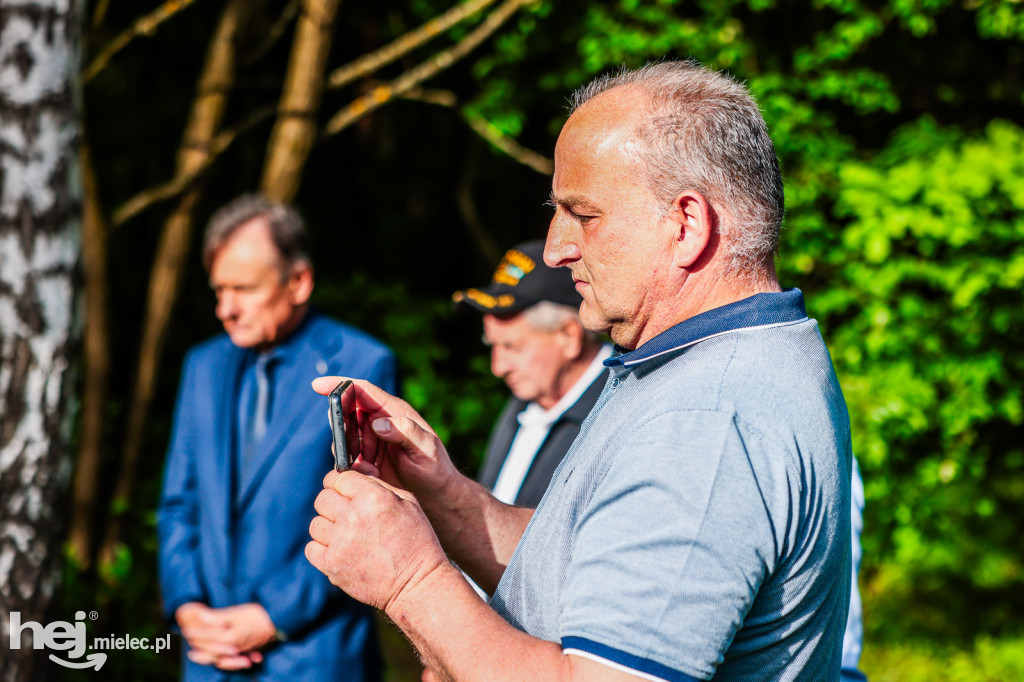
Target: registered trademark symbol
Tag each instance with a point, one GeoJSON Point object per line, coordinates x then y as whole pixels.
{"type": "Point", "coordinates": [93, 615]}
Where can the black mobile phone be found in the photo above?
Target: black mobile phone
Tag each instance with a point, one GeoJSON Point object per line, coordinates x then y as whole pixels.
{"type": "Point", "coordinates": [343, 456]}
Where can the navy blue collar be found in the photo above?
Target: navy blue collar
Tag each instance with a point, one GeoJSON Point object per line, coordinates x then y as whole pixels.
{"type": "Point", "coordinates": [760, 310]}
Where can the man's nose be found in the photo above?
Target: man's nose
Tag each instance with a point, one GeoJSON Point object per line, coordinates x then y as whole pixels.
{"type": "Point", "coordinates": [559, 249]}
{"type": "Point", "coordinates": [498, 364]}
{"type": "Point", "coordinates": [225, 306]}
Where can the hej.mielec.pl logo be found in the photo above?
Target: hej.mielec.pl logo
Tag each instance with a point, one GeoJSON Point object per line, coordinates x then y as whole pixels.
{"type": "Point", "coordinates": [72, 638]}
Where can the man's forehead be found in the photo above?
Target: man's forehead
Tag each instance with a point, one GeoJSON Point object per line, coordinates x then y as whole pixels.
{"type": "Point", "coordinates": [598, 139]}
{"type": "Point", "coordinates": [608, 121]}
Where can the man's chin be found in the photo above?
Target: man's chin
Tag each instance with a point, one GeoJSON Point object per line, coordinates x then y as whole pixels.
{"type": "Point", "coordinates": [243, 340]}
{"type": "Point", "coordinates": [592, 321]}
{"type": "Point", "coordinates": [525, 396]}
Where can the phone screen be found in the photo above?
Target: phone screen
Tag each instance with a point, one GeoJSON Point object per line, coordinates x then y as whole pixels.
{"type": "Point", "coordinates": [344, 429]}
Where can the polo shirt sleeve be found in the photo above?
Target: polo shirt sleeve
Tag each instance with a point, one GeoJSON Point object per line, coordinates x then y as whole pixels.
{"type": "Point", "coordinates": [671, 550]}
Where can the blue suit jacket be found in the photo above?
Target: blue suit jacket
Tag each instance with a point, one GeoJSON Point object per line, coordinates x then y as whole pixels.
{"type": "Point", "coordinates": [223, 546]}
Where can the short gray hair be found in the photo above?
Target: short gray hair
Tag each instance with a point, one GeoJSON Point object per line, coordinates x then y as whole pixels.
{"type": "Point", "coordinates": [705, 133]}
{"type": "Point", "coordinates": [548, 316]}
{"type": "Point", "coordinates": [287, 229]}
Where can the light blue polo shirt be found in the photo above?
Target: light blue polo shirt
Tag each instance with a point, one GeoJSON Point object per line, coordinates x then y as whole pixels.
{"type": "Point", "coordinates": [699, 526]}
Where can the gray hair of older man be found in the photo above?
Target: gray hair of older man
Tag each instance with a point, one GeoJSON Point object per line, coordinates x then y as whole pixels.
{"type": "Point", "coordinates": [705, 133]}
{"type": "Point", "coordinates": [287, 230]}
{"type": "Point", "coordinates": [547, 316]}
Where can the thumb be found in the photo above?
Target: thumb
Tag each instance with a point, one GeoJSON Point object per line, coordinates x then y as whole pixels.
{"type": "Point", "coordinates": [406, 433]}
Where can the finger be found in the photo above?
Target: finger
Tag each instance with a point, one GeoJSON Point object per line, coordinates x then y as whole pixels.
{"type": "Point", "coordinates": [208, 616]}
{"type": "Point", "coordinates": [400, 492]}
{"type": "Point", "coordinates": [329, 504]}
{"type": "Point", "coordinates": [329, 479]}
{"type": "Point", "coordinates": [213, 646]}
{"type": "Point", "coordinates": [204, 632]}
{"type": "Point", "coordinates": [366, 468]}
{"type": "Point", "coordinates": [241, 662]}
{"type": "Point", "coordinates": [201, 657]}
{"type": "Point", "coordinates": [368, 398]}
{"type": "Point", "coordinates": [408, 434]}
{"type": "Point", "coordinates": [324, 385]}
{"type": "Point", "coordinates": [369, 444]}
{"type": "Point", "coordinates": [349, 484]}
{"type": "Point", "coordinates": [315, 555]}
{"type": "Point", "coordinates": [358, 483]}
{"type": "Point", "coordinates": [320, 529]}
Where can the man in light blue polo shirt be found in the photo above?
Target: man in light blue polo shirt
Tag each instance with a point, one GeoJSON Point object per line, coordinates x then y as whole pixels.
{"type": "Point", "coordinates": [699, 527]}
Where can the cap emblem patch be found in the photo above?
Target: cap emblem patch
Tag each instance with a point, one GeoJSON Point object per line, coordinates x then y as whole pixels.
{"type": "Point", "coordinates": [513, 267]}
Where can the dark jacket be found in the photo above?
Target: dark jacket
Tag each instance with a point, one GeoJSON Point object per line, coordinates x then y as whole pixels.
{"type": "Point", "coordinates": [563, 432]}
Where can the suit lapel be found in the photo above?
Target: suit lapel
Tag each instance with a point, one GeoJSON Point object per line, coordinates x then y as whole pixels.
{"type": "Point", "coordinates": [501, 442]}
{"type": "Point", "coordinates": [557, 443]}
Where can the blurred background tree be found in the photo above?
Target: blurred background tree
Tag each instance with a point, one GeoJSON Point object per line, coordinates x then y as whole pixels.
{"type": "Point", "coordinates": [418, 150]}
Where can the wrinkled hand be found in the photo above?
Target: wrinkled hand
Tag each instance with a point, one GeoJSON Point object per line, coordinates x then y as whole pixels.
{"type": "Point", "coordinates": [371, 539]}
{"type": "Point", "coordinates": [394, 442]}
{"type": "Point", "coordinates": [228, 638]}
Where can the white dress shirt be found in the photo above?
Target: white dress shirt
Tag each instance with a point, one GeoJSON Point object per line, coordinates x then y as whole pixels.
{"type": "Point", "coordinates": [534, 424]}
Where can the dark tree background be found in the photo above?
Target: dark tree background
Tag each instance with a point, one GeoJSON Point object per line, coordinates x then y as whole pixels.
{"type": "Point", "coordinates": [899, 127]}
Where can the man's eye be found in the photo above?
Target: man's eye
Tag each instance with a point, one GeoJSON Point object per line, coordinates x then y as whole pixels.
{"type": "Point", "coordinates": [581, 219]}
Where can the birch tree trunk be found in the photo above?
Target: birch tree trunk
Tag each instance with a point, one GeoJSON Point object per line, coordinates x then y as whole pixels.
{"type": "Point", "coordinates": [39, 245]}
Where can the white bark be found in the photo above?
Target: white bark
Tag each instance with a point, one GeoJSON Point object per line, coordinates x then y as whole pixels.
{"type": "Point", "coordinates": [39, 248]}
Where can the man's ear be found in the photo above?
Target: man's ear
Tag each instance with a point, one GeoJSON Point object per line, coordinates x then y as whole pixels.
{"type": "Point", "coordinates": [300, 283]}
{"type": "Point", "coordinates": [693, 220]}
{"type": "Point", "coordinates": [571, 335]}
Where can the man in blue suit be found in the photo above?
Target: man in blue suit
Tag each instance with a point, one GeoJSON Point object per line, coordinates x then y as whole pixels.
{"type": "Point", "coordinates": [249, 450]}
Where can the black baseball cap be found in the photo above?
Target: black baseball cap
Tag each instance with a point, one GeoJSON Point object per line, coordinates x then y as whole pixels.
{"type": "Point", "coordinates": [521, 280]}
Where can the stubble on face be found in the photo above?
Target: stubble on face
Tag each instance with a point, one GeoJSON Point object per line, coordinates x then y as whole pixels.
{"type": "Point", "coordinates": [608, 229]}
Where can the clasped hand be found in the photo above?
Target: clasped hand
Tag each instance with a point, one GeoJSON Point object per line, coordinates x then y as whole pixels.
{"type": "Point", "coordinates": [228, 638]}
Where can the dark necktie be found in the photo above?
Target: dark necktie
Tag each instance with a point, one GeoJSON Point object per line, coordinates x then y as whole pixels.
{"type": "Point", "coordinates": [259, 401]}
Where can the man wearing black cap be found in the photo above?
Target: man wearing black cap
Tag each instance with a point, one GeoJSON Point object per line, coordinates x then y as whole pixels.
{"type": "Point", "coordinates": [552, 365]}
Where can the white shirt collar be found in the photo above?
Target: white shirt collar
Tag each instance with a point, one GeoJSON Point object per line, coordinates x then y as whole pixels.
{"type": "Point", "coordinates": [535, 415]}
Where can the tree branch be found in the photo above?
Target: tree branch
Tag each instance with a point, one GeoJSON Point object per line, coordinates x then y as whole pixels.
{"type": "Point", "coordinates": [368, 63]}
{"type": "Point", "coordinates": [486, 130]}
{"type": "Point", "coordinates": [295, 129]}
{"type": "Point", "coordinates": [85, 493]}
{"type": "Point", "coordinates": [184, 180]}
{"type": "Point", "coordinates": [442, 98]}
{"type": "Point", "coordinates": [100, 14]}
{"type": "Point", "coordinates": [509, 146]}
{"type": "Point", "coordinates": [385, 93]}
{"type": "Point", "coordinates": [274, 33]}
{"type": "Point", "coordinates": [145, 25]}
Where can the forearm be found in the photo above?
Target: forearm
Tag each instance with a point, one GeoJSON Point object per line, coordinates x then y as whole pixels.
{"type": "Point", "coordinates": [477, 530]}
{"type": "Point", "coordinates": [460, 638]}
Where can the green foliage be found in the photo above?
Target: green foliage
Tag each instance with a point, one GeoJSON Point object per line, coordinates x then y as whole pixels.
{"type": "Point", "coordinates": [122, 596]}
{"type": "Point", "coordinates": [456, 394]}
{"type": "Point", "coordinates": [923, 314]}
{"type": "Point", "coordinates": [990, 660]}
